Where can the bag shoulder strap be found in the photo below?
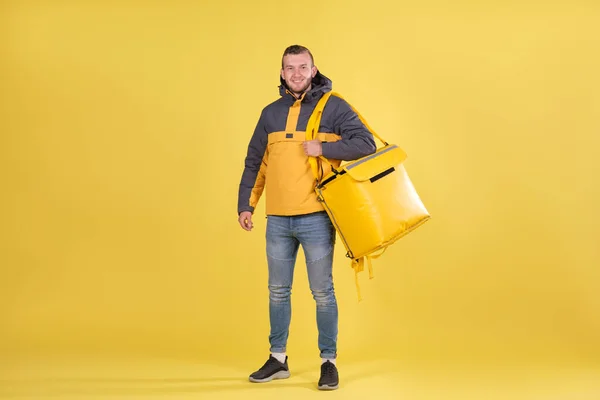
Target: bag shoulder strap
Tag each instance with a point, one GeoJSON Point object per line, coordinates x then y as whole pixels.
{"type": "Point", "coordinates": [362, 119]}
{"type": "Point", "coordinates": [314, 121]}
{"type": "Point", "coordinates": [312, 128]}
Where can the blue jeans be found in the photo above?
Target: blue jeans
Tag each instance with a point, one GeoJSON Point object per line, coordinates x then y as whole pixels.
{"type": "Point", "coordinates": [316, 234]}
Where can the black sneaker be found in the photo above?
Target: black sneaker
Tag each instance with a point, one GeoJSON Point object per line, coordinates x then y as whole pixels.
{"type": "Point", "coordinates": [272, 369]}
{"type": "Point", "coordinates": [329, 376]}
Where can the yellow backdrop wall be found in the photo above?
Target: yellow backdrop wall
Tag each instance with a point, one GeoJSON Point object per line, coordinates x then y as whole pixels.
{"type": "Point", "coordinates": [123, 131]}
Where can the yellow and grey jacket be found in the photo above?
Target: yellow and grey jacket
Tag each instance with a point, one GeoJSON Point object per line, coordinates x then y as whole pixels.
{"type": "Point", "coordinates": [275, 160]}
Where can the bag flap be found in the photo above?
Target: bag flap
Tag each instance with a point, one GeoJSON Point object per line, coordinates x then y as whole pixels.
{"type": "Point", "coordinates": [372, 165]}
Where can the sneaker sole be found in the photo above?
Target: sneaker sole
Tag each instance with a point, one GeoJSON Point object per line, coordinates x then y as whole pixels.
{"type": "Point", "coordinates": [277, 375]}
{"type": "Point", "coordinates": [327, 387]}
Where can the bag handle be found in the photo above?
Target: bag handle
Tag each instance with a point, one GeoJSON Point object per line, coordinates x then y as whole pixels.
{"type": "Point", "coordinates": [314, 122]}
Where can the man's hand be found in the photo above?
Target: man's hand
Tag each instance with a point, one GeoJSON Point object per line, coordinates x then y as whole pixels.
{"type": "Point", "coordinates": [245, 220]}
{"type": "Point", "coordinates": [313, 148]}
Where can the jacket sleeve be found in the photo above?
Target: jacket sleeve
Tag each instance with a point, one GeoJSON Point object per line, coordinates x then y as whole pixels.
{"type": "Point", "coordinates": [357, 141]}
{"type": "Point", "coordinates": [253, 177]}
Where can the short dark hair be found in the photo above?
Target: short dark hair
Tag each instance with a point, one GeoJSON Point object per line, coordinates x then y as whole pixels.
{"type": "Point", "coordinates": [297, 49]}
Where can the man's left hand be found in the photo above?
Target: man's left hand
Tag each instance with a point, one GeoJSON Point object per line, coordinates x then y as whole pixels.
{"type": "Point", "coordinates": [313, 148]}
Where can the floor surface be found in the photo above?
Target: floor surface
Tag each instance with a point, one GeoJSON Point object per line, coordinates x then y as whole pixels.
{"type": "Point", "coordinates": [113, 378]}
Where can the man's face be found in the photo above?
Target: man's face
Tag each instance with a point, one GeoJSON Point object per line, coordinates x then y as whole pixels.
{"type": "Point", "coordinates": [298, 72]}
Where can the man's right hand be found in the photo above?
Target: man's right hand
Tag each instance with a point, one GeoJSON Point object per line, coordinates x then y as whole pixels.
{"type": "Point", "coordinates": [245, 220]}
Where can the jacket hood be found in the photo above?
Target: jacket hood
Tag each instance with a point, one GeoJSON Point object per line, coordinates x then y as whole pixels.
{"type": "Point", "coordinates": [320, 84]}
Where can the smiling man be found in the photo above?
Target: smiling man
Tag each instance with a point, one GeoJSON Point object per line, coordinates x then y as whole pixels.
{"type": "Point", "coordinates": [277, 161]}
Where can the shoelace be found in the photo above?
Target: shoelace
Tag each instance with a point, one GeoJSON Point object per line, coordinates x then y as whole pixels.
{"type": "Point", "coordinates": [328, 369]}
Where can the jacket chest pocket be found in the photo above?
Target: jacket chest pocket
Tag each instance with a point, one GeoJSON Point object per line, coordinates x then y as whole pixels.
{"type": "Point", "coordinates": [286, 144]}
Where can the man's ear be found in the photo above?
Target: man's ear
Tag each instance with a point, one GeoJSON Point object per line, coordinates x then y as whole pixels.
{"type": "Point", "coordinates": [314, 71]}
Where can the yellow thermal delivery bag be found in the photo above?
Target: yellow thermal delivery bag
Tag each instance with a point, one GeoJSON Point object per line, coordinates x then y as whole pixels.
{"type": "Point", "coordinates": [371, 201]}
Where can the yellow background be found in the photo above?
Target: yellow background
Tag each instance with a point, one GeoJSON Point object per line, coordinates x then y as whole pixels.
{"type": "Point", "coordinates": [124, 127]}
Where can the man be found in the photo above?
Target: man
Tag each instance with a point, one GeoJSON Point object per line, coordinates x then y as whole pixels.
{"type": "Point", "coordinates": [278, 161]}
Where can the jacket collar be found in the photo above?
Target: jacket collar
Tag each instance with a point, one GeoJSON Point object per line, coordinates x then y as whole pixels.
{"type": "Point", "coordinates": [320, 85]}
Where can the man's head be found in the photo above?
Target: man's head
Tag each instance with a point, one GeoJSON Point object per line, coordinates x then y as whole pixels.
{"type": "Point", "coordinates": [298, 69]}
